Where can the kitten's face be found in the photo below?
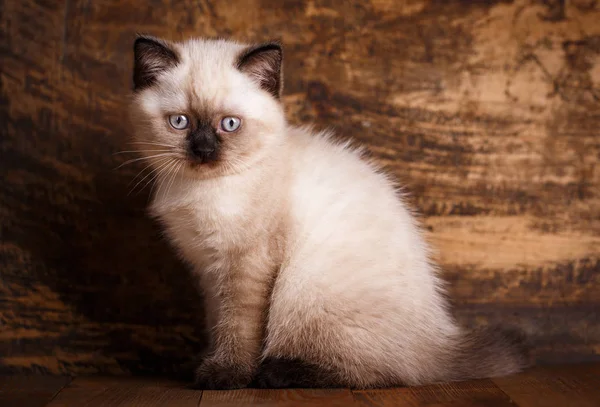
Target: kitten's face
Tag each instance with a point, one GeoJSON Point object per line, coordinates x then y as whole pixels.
{"type": "Point", "coordinates": [206, 108]}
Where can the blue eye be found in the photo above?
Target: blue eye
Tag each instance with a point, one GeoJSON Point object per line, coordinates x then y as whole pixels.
{"type": "Point", "coordinates": [179, 121]}
{"type": "Point", "coordinates": [230, 124]}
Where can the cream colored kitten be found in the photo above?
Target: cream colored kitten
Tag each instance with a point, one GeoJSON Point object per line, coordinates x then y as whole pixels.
{"type": "Point", "coordinates": [314, 270]}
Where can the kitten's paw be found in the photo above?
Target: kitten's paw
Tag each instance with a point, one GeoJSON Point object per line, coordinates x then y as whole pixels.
{"type": "Point", "coordinates": [186, 371]}
{"type": "Point", "coordinates": [217, 375]}
{"type": "Point", "coordinates": [276, 373]}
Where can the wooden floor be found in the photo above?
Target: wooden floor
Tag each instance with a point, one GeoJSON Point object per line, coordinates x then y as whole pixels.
{"type": "Point", "coordinates": [574, 385]}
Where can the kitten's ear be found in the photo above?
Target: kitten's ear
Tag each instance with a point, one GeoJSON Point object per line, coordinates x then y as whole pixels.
{"type": "Point", "coordinates": [264, 64]}
{"type": "Point", "coordinates": [151, 57]}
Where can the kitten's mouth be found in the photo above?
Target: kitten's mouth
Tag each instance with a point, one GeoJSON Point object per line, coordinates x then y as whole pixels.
{"type": "Point", "coordinates": [199, 157]}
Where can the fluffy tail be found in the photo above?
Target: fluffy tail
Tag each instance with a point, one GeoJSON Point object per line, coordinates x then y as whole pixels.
{"type": "Point", "coordinates": [489, 352]}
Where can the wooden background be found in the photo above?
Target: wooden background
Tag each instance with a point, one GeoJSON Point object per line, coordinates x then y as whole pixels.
{"type": "Point", "coordinates": [489, 111]}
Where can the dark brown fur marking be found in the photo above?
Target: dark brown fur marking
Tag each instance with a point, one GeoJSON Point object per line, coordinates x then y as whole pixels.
{"type": "Point", "coordinates": [151, 57]}
{"type": "Point", "coordinates": [277, 373]}
{"type": "Point", "coordinates": [215, 376]}
{"type": "Point", "coordinates": [264, 63]}
{"type": "Point", "coordinates": [490, 352]}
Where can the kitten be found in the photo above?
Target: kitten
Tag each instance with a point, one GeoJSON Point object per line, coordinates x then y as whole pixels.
{"type": "Point", "coordinates": [314, 270]}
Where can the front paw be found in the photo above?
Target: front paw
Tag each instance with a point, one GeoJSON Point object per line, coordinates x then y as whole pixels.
{"type": "Point", "coordinates": [213, 374]}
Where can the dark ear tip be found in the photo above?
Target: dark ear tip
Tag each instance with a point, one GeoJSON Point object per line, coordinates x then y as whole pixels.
{"type": "Point", "coordinates": [151, 55]}
{"type": "Point", "coordinates": [275, 44]}
{"type": "Point", "coordinates": [141, 38]}
{"type": "Point", "coordinates": [264, 62]}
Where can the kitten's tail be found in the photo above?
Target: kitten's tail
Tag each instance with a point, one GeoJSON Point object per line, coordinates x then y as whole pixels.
{"type": "Point", "coordinates": [489, 352]}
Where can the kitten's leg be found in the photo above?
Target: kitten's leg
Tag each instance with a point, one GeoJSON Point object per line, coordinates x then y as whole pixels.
{"type": "Point", "coordinates": [241, 296]}
{"type": "Point", "coordinates": [187, 370]}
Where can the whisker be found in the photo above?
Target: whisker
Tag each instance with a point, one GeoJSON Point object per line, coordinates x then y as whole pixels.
{"type": "Point", "coordinates": [155, 179]}
{"type": "Point", "coordinates": [152, 143]}
{"type": "Point", "coordinates": [146, 158]}
{"type": "Point", "coordinates": [173, 177]}
{"type": "Point", "coordinates": [235, 165]}
{"type": "Point", "coordinates": [159, 178]}
{"type": "Point", "coordinates": [160, 160]}
{"type": "Point", "coordinates": [163, 161]}
{"type": "Point", "coordinates": [141, 151]}
{"type": "Point", "coordinates": [167, 181]}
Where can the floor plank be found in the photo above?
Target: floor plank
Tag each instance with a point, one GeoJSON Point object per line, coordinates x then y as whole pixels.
{"type": "Point", "coordinates": [98, 391]}
{"type": "Point", "coordinates": [576, 385]}
{"type": "Point", "coordinates": [557, 386]}
{"type": "Point", "coordinates": [30, 391]}
{"type": "Point", "coordinates": [475, 393]}
{"type": "Point", "coordinates": [287, 398]}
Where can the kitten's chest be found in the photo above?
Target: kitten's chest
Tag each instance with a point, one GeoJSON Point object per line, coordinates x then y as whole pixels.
{"type": "Point", "coordinates": [205, 220]}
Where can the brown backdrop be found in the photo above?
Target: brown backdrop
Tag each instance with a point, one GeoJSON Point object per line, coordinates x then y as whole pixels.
{"type": "Point", "coordinates": [489, 111]}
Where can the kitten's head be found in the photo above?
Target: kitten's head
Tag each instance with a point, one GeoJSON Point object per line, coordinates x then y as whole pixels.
{"type": "Point", "coordinates": [206, 107]}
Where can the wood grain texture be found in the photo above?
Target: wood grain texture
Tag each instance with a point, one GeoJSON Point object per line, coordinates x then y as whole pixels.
{"type": "Point", "coordinates": [102, 391]}
{"type": "Point", "coordinates": [577, 385]}
{"type": "Point", "coordinates": [30, 391]}
{"type": "Point", "coordinates": [478, 393]}
{"type": "Point", "coordinates": [574, 385]}
{"type": "Point", "coordinates": [487, 112]}
{"type": "Point", "coordinates": [287, 398]}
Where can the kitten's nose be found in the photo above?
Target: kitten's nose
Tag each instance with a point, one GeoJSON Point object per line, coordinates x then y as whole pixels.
{"type": "Point", "coordinates": [203, 145]}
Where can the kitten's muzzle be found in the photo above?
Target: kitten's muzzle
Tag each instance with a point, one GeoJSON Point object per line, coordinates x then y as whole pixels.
{"type": "Point", "coordinates": [203, 145]}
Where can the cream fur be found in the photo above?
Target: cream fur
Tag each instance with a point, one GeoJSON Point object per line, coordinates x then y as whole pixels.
{"type": "Point", "coordinates": [303, 249]}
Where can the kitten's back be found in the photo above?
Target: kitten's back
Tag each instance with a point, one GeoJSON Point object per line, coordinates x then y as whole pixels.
{"type": "Point", "coordinates": [357, 285]}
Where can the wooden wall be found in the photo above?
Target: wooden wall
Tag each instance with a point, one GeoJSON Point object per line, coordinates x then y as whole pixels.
{"type": "Point", "coordinates": [489, 111]}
